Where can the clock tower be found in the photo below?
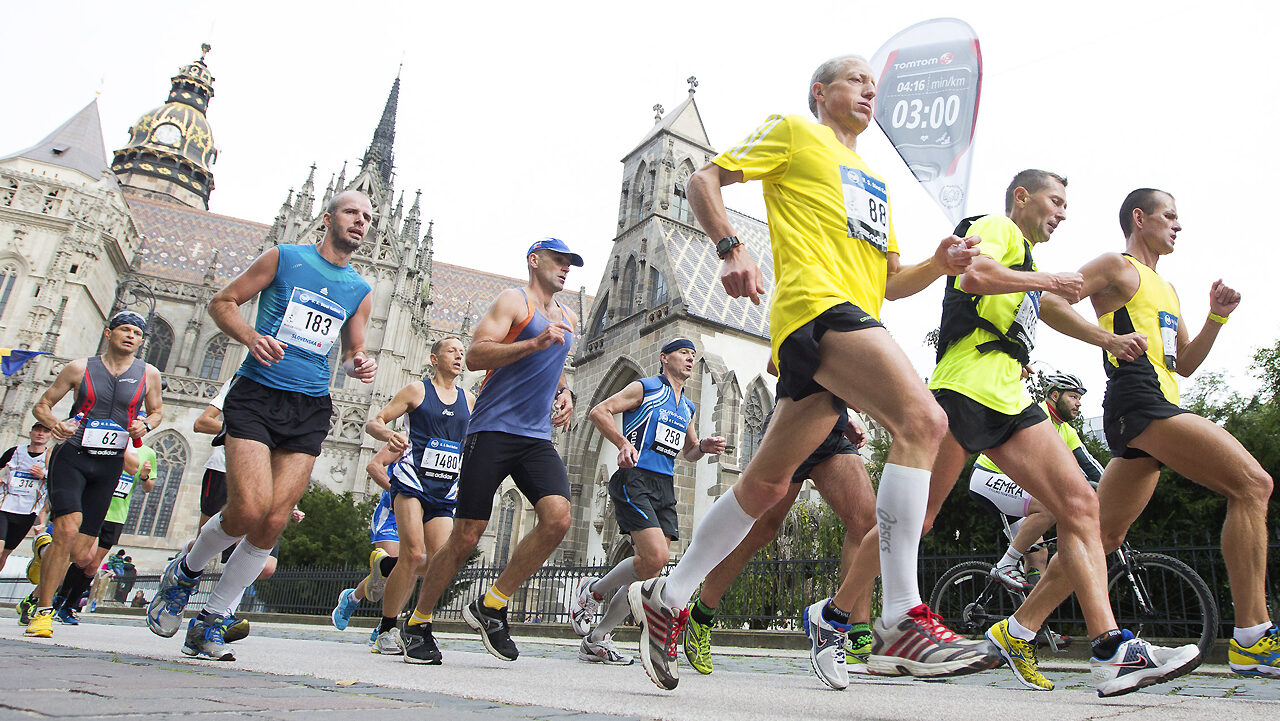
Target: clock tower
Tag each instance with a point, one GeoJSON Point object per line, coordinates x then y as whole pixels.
{"type": "Point", "coordinates": [170, 151]}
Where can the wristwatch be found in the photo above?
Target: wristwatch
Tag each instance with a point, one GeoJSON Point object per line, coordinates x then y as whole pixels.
{"type": "Point", "coordinates": [726, 244]}
{"type": "Point", "coordinates": [148, 425]}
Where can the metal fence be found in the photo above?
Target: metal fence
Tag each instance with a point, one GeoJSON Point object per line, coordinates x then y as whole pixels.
{"type": "Point", "coordinates": [770, 594]}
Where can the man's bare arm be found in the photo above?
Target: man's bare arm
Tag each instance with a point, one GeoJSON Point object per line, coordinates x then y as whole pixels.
{"type": "Point", "coordinates": [225, 308]}
{"type": "Point", "coordinates": [953, 256]}
{"type": "Point", "coordinates": [488, 351]}
{"type": "Point", "coordinates": [68, 378]}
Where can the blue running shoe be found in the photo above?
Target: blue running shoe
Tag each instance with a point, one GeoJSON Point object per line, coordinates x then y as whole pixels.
{"type": "Point", "coordinates": [67, 617]}
{"type": "Point", "coordinates": [373, 637]}
{"type": "Point", "coordinates": [164, 613]}
{"type": "Point", "coordinates": [347, 604]}
{"type": "Point", "coordinates": [826, 646]}
{"type": "Point", "coordinates": [206, 637]}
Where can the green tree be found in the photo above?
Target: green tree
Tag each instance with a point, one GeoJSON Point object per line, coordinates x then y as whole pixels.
{"type": "Point", "coordinates": [334, 533]}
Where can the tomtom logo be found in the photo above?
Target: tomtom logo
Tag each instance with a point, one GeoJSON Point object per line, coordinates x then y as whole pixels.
{"type": "Point", "coordinates": [946, 58]}
{"type": "Point", "coordinates": [917, 63]}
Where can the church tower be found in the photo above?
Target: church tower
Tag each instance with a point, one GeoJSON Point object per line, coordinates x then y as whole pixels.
{"type": "Point", "coordinates": [170, 153]}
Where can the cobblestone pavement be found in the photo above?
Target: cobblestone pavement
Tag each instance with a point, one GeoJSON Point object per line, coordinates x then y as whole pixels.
{"type": "Point", "coordinates": [116, 668]}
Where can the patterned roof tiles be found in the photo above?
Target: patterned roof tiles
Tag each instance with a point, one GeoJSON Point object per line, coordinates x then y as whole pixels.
{"type": "Point", "coordinates": [697, 269]}
{"type": "Point", "coordinates": [181, 241]}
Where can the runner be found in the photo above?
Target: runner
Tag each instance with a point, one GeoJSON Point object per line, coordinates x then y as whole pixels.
{"type": "Point", "coordinates": [1028, 518]}
{"type": "Point", "coordinates": [1146, 428]}
{"type": "Point", "coordinates": [424, 484]}
{"type": "Point", "coordinates": [989, 319]}
{"type": "Point", "coordinates": [657, 421]}
{"type": "Point", "coordinates": [836, 259]}
{"type": "Point", "coordinates": [138, 465]}
{"type": "Point", "coordinates": [84, 469]}
{"type": "Point", "coordinates": [523, 341]}
{"type": "Point", "coordinates": [276, 413]}
{"type": "Point", "coordinates": [838, 472]}
{"type": "Point", "coordinates": [23, 491]}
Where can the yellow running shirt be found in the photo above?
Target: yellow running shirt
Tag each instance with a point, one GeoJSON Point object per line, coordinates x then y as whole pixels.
{"type": "Point", "coordinates": [1065, 431]}
{"type": "Point", "coordinates": [1153, 311]}
{"type": "Point", "coordinates": [830, 220]}
{"type": "Point", "coordinates": [993, 378]}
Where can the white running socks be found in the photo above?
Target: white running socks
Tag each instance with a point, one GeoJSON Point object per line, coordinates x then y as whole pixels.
{"type": "Point", "coordinates": [721, 530]}
{"type": "Point", "coordinates": [242, 569]}
{"type": "Point", "coordinates": [210, 542]}
{"type": "Point", "coordinates": [900, 509]}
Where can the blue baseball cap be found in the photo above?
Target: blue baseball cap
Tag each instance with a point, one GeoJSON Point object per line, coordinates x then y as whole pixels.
{"type": "Point", "coordinates": [558, 246]}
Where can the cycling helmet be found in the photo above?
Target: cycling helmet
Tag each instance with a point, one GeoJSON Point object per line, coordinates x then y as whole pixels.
{"type": "Point", "coordinates": [1058, 381]}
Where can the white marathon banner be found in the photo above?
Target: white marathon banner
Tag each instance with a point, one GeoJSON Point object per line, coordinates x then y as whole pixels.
{"type": "Point", "coordinates": [929, 81]}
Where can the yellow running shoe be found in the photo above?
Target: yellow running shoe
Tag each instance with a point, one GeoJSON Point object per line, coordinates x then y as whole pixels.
{"type": "Point", "coordinates": [1260, 659]}
{"type": "Point", "coordinates": [41, 624]}
{"type": "Point", "coordinates": [33, 567]}
{"type": "Point", "coordinates": [697, 646]}
{"type": "Point", "coordinates": [1020, 655]}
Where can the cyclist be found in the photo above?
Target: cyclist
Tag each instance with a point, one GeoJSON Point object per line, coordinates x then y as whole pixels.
{"type": "Point", "coordinates": [1028, 518]}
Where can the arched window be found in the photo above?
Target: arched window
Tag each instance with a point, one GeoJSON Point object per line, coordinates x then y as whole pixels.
{"type": "Point", "coordinates": [657, 287]}
{"type": "Point", "coordinates": [598, 315]}
{"type": "Point", "coordinates": [506, 529]}
{"type": "Point", "coordinates": [214, 353]}
{"type": "Point", "coordinates": [8, 277]}
{"type": "Point", "coordinates": [639, 188]}
{"type": "Point", "coordinates": [628, 301]}
{"type": "Point", "coordinates": [680, 209]}
{"type": "Point", "coordinates": [159, 343]}
{"type": "Point", "coordinates": [753, 414]}
{"type": "Point", "coordinates": [149, 513]}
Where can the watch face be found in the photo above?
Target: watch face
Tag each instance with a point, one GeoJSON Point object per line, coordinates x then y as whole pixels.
{"type": "Point", "coordinates": [167, 134]}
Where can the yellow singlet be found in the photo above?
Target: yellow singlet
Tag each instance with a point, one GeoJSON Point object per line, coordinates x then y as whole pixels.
{"type": "Point", "coordinates": [1155, 312]}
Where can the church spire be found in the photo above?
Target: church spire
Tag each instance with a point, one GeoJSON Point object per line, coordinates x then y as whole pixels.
{"type": "Point", "coordinates": [379, 155]}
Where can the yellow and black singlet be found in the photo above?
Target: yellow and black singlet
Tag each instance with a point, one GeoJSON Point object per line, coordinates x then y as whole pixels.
{"type": "Point", "coordinates": [1155, 312]}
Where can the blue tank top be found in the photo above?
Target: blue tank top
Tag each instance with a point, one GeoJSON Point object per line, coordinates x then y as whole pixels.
{"type": "Point", "coordinates": [517, 398]}
{"type": "Point", "coordinates": [436, 432]}
{"type": "Point", "coordinates": [304, 307]}
{"type": "Point", "coordinates": [657, 426]}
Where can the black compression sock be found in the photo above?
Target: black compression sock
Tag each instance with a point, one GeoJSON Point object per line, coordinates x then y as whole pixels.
{"type": "Point", "coordinates": [388, 623]}
{"type": "Point", "coordinates": [186, 571]}
{"type": "Point", "coordinates": [834, 615]}
{"type": "Point", "coordinates": [701, 613]}
{"type": "Point", "coordinates": [386, 564]}
{"type": "Point", "coordinates": [1106, 645]}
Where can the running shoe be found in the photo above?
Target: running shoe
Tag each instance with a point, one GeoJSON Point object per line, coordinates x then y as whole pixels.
{"type": "Point", "coordinates": [918, 644]}
{"type": "Point", "coordinates": [826, 646]}
{"type": "Point", "coordinates": [419, 645]}
{"type": "Point", "coordinates": [347, 604]}
{"type": "Point", "coordinates": [858, 646]}
{"type": "Point", "coordinates": [37, 548]}
{"type": "Point", "coordinates": [697, 646]}
{"type": "Point", "coordinates": [377, 582]}
{"type": "Point", "coordinates": [207, 638]}
{"type": "Point", "coordinates": [1138, 664]}
{"type": "Point", "coordinates": [237, 629]}
{"type": "Point", "coordinates": [1260, 659]}
{"type": "Point", "coordinates": [388, 643]}
{"type": "Point", "coordinates": [660, 627]}
{"type": "Point", "coordinates": [603, 652]}
{"type": "Point", "coordinates": [41, 624]}
{"type": "Point", "coordinates": [493, 628]}
{"type": "Point", "coordinates": [582, 606]}
{"type": "Point", "coordinates": [1062, 642]}
{"type": "Point", "coordinates": [1020, 655]}
{"type": "Point", "coordinates": [164, 613]}
{"type": "Point", "coordinates": [26, 607]}
{"type": "Point", "coordinates": [67, 616]}
{"type": "Point", "coordinates": [373, 635]}
{"type": "Point", "coordinates": [1011, 577]}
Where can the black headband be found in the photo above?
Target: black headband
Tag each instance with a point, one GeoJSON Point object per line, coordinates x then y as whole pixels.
{"type": "Point", "coordinates": [677, 344]}
{"type": "Point", "coordinates": [127, 317]}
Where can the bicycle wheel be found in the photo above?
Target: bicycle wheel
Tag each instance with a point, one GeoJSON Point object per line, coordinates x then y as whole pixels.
{"type": "Point", "coordinates": [1165, 601]}
{"type": "Point", "coordinates": [970, 601]}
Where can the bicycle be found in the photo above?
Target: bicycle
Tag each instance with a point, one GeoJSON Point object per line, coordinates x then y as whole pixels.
{"type": "Point", "coordinates": [970, 600]}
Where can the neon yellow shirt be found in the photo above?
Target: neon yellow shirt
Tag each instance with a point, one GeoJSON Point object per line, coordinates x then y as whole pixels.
{"type": "Point", "coordinates": [1155, 312]}
{"type": "Point", "coordinates": [830, 220]}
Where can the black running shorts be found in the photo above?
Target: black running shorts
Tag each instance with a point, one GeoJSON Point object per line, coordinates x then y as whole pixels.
{"type": "Point", "coordinates": [109, 535]}
{"type": "Point", "coordinates": [977, 427]}
{"type": "Point", "coordinates": [213, 492]}
{"type": "Point", "coordinates": [1127, 410]}
{"type": "Point", "coordinates": [798, 354]}
{"type": "Point", "coordinates": [14, 528]}
{"type": "Point", "coordinates": [287, 420]}
{"type": "Point", "coordinates": [490, 456]}
{"type": "Point", "coordinates": [82, 483]}
{"type": "Point", "coordinates": [644, 499]}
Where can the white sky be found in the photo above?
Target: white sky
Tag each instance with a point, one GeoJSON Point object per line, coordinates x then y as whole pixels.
{"type": "Point", "coordinates": [513, 117]}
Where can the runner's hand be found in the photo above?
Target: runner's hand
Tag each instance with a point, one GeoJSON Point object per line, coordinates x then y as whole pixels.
{"type": "Point", "coordinates": [63, 430]}
{"type": "Point", "coordinates": [717, 444]}
{"type": "Point", "coordinates": [1130, 346]}
{"type": "Point", "coordinates": [856, 434]}
{"type": "Point", "coordinates": [740, 275]}
{"type": "Point", "coordinates": [398, 442]}
{"type": "Point", "coordinates": [296, 515]}
{"type": "Point", "coordinates": [137, 428]}
{"type": "Point", "coordinates": [562, 411]}
{"type": "Point", "coordinates": [361, 368]}
{"type": "Point", "coordinates": [1222, 299]}
{"type": "Point", "coordinates": [627, 455]}
{"type": "Point", "coordinates": [37, 470]}
{"type": "Point", "coordinates": [553, 334]}
{"type": "Point", "coordinates": [955, 254]}
{"type": "Point", "coordinates": [1068, 285]}
{"type": "Point", "coordinates": [267, 350]}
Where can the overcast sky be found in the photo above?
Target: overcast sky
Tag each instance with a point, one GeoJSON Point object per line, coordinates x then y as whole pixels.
{"type": "Point", "coordinates": [513, 117]}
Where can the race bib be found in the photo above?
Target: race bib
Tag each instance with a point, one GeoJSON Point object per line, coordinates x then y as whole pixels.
{"type": "Point", "coordinates": [866, 204]}
{"type": "Point", "coordinates": [104, 436]}
{"type": "Point", "coordinates": [668, 440]}
{"type": "Point", "coordinates": [1169, 338]}
{"type": "Point", "coordinates": [1026, 320]}
{"type": "Point", "coordinates": [20, 481]}
{"type": "Point", "coordinates": [442, 458]}
{"type": "Point", "coordinates": [123, 486]}
{"type": "Point", "coordinates": [311, 322]}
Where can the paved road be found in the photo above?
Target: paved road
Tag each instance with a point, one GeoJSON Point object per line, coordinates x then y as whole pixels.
{"type": "Point", "coordinates": [106, 668]}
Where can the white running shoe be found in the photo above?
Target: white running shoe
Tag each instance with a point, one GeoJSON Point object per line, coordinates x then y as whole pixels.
{"type": "Point", "coordinates": [826, 646]}
{"type": "Point", "coordinates": [1138, 664]}
{"type": "Point", "coordinates": [388, 643]}
{"type": "Point", "coordinates": [603, 652]}
{"type": "Point", "coordinates": [660, 627]}
{"type": "Point", "coordinates": [1011, 577]}
{"type": "Point", "coordinates": [582, 606]}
